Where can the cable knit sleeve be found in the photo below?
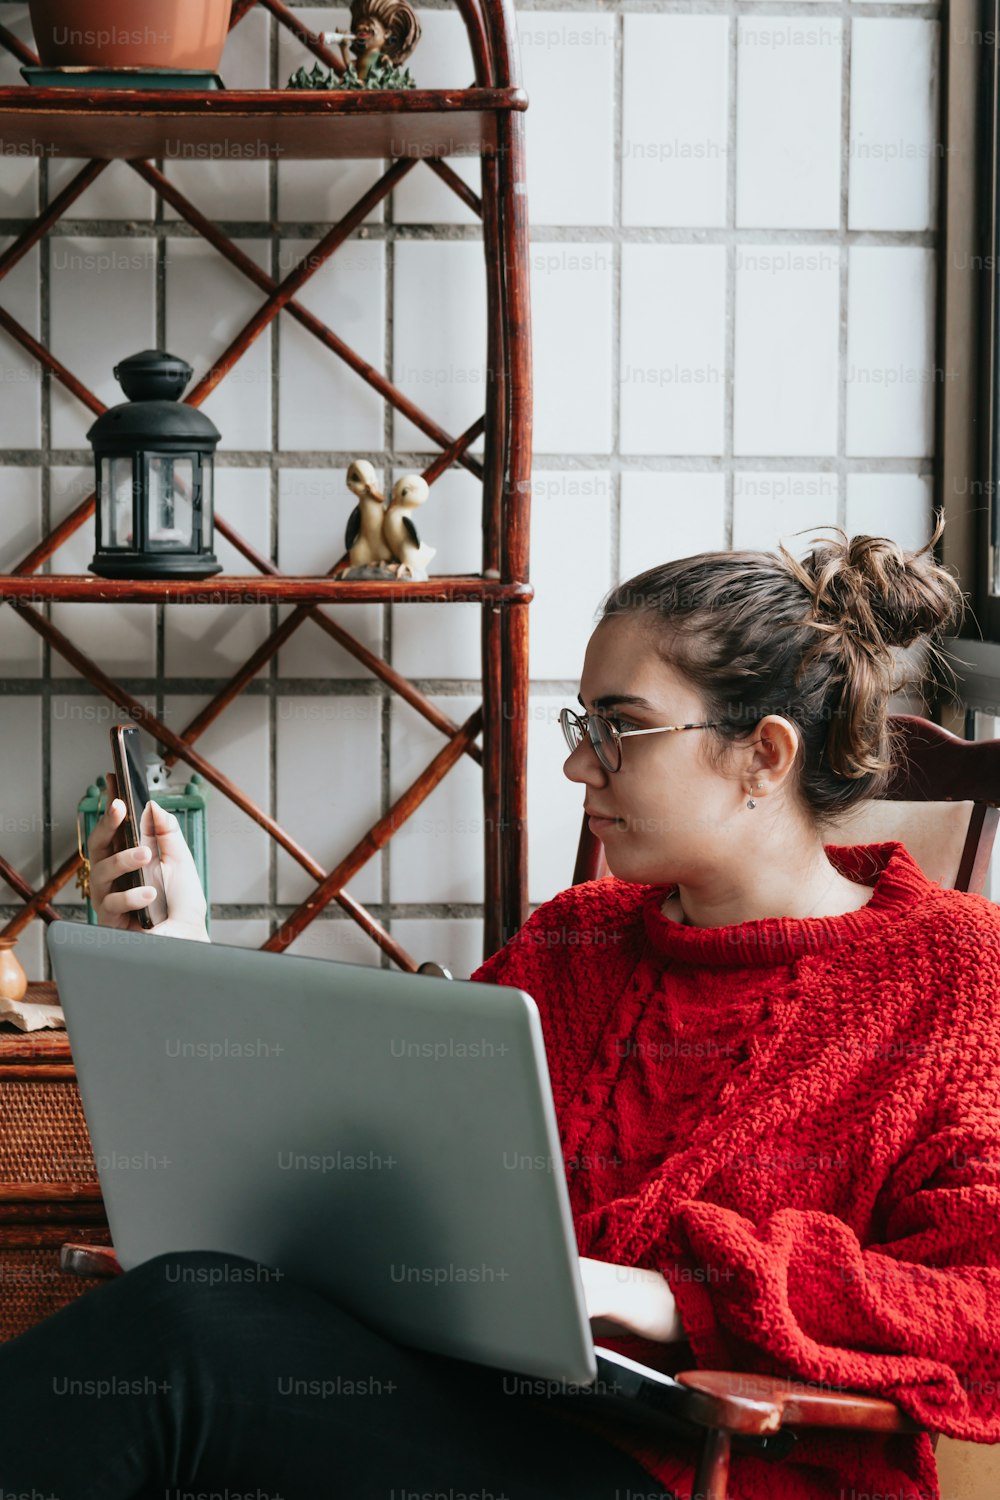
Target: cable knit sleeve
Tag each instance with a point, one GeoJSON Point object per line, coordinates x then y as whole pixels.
{"type": "Point", "coordinates": [572, 956]}
{"type": "Point", "coordinates": [915, 1317]}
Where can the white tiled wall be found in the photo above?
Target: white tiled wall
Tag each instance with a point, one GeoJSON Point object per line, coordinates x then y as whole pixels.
{"type": "Point", "coordinates": [328, 775]}
{"type": "Point", "coordinates": [97, 283]}
{"type": "Point", "coordinates": [439, 329]}
{"type": "Point", "coordinates": [348, 293]}
{"type": "Point", "coordinates": [117, 194]}
{"type": "Point", "coordinates": [207, 303]}
{"type": "Point", "coordinates": [20, 647]}
{"type": "Point", "coordinates": [893, 155]}
{"type": "Point", "coordinates": [788, 123]}
{"type": "Point", "coordinates": [575, 103]}
{"type": "Point", "coordinates": [20, 408]}
{"type": "Point", "coordinates": [572, 301]}
{"type": "Point", "coordinates": [785, 370]}
{"type": "Point", "coordinates": [240, 741]}
{"type": "Point", "coordinates": [732, 272]}
{"type": "Point", "coordinates": [673, 349]}
{"type": "Point", "coordinates": [891, 372]}
{"type": "Point", "coordinates": [437, 854]}
{"type": "Point", "coordinates": [675, 120]}
{"type": "Point", "coordinates": [779, 503]}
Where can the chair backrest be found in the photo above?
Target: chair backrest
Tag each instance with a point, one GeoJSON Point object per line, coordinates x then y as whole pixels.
{"type": "Point", "coordinates": [942, 803]}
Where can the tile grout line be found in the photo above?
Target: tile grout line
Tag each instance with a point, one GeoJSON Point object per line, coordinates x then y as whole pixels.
{"type": "Point", "coordinates": [611, 462]}
{"type": "Point", "coordinates": [274, 482]}
{"type": "Point", "coordinates": [843, 267]}
{"type": "Point", "coordinates": [45, 439]}
{"type": "Point", "coordinates": [386, 612]}
{"type": "Point", "coordinates": [729, 395]}
{"type": "Point", "coordinates": [160, 314]}
{"type": "Point", "coordinates": [584, 234]}
{"type": "Point", "coordinates": [778, 8]}
{"type": "Point", "coordinates": [617, 273]}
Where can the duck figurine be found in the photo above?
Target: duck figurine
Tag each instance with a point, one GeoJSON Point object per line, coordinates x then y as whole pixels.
{"type": "Point", "coordinates": [399, 533]}
{"type": "Point", "coordinates": [363, 535]}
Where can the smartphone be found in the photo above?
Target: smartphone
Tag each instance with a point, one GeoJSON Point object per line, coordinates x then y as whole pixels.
{"type": "Point", "coordinates": [130, 773]}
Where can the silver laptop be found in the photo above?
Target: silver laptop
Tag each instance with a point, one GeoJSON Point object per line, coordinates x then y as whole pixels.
{"type": "Point", "coordinates": [387, 1139]}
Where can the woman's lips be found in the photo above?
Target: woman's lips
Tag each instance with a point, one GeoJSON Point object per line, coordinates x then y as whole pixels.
{"type": "Point", "coordinates": [595, 823]}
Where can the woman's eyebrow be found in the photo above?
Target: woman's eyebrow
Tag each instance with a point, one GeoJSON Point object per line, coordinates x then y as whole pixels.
{"type": "Point", "coordinates": [610, 698]}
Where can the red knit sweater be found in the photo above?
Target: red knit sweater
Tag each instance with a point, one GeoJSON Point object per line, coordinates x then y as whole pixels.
{"type": "Point", "coordinates": [798, 1123]}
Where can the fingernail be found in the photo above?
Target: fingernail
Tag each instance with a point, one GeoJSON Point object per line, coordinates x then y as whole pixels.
{"type": "Point", "coordinates": [118, 805]}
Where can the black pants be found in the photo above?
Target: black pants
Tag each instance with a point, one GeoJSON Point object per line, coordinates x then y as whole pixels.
{"type": "Point", "coordinates": [200, 1374]}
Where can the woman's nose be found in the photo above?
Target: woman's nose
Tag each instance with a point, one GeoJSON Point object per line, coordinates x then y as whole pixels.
{"type": "Point", "coordinates": [583, 765]}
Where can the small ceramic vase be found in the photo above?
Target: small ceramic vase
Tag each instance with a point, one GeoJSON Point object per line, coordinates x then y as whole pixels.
{"type": "Point", "coordinates": [13, 979]}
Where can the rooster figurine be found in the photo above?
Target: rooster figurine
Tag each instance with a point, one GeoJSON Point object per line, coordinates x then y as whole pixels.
{"type": "Point", "coordinates": [399, 533]}
{"type": "Point", "coordinates": [363, 536]}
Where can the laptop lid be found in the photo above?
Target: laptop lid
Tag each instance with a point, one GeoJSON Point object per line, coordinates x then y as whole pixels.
{"type": "Point", "coordinates": [388, 1139]}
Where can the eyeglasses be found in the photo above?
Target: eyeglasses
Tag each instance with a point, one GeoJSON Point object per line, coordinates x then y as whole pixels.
{"type": "Point", "coordinates": [606, 737]}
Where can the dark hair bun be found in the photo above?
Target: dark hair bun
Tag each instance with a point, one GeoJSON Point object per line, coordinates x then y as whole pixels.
{"type": "Point", "coordinates": [870, 588]}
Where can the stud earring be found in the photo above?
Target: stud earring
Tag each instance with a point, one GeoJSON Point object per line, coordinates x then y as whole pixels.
{"type": "Point", "coordinates": [752, 802]}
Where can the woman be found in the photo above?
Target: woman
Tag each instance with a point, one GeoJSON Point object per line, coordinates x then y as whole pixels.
{"type": "Point", "coordinates": [774, 1067]}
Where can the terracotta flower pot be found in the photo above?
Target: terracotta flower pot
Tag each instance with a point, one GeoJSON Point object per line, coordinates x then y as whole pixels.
{"type": "Point", "coordinates": [13, 979]}
{"type": "Point", "coordinates": [130, 33]}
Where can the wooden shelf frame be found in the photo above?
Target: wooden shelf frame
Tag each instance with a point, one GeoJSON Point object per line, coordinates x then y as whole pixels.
{"type": "Point", "coordinates": [232, 588]}
{"type": "Point", "coordinates": [253, 124]}
{"type": "Point", "coordinates": [486, 117]}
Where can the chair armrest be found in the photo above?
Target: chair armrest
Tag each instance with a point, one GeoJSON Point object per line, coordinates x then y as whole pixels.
{"type": "Point", "coordinates": [88, 1260]}
{"type": "Point", "coordinates": [740, 1402]}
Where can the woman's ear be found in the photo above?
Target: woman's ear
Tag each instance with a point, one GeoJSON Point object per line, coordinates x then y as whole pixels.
{"type": "Point", "coordinates": [775, 747]}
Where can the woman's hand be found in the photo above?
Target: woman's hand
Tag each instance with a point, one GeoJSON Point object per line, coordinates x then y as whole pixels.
{"type": "Point", "coordinates": [625, 1299]}
{"type": "Point", "coordinates": [116, 907]}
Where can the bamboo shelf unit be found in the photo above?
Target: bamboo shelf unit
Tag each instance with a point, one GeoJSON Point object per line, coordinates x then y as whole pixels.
{"type": "Point", "coordinates": [409, 129]}
{"type": "Point", "coordinates": [115, 123]}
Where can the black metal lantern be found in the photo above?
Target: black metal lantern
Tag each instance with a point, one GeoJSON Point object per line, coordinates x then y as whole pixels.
{"type": "Point", "coordinates": [154, 457]}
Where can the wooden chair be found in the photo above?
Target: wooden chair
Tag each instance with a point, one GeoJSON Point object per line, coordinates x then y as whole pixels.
{"type": "Point", "coordinates": [943, 805]}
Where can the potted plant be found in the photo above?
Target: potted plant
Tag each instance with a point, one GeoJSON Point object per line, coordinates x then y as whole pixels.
{"type": "Point", "coordinates": [123, 34]}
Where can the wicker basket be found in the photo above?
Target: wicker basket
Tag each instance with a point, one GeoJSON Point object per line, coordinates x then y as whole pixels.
{"type": "Point", "coordinates": [49, 1191]}
{"type": "Point", "coordinates": [32, 1285]}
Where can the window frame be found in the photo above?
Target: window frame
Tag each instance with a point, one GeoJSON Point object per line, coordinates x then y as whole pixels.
{"type": "Point", "coordinates": [967, 464]}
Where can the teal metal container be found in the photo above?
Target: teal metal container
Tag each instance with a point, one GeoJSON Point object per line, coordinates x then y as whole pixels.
{"type": "Point", "coordinates": [189, 808]}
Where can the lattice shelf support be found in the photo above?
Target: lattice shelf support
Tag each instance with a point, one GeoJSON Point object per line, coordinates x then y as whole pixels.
{"type": "Point", "coordinates": [281, 296]}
